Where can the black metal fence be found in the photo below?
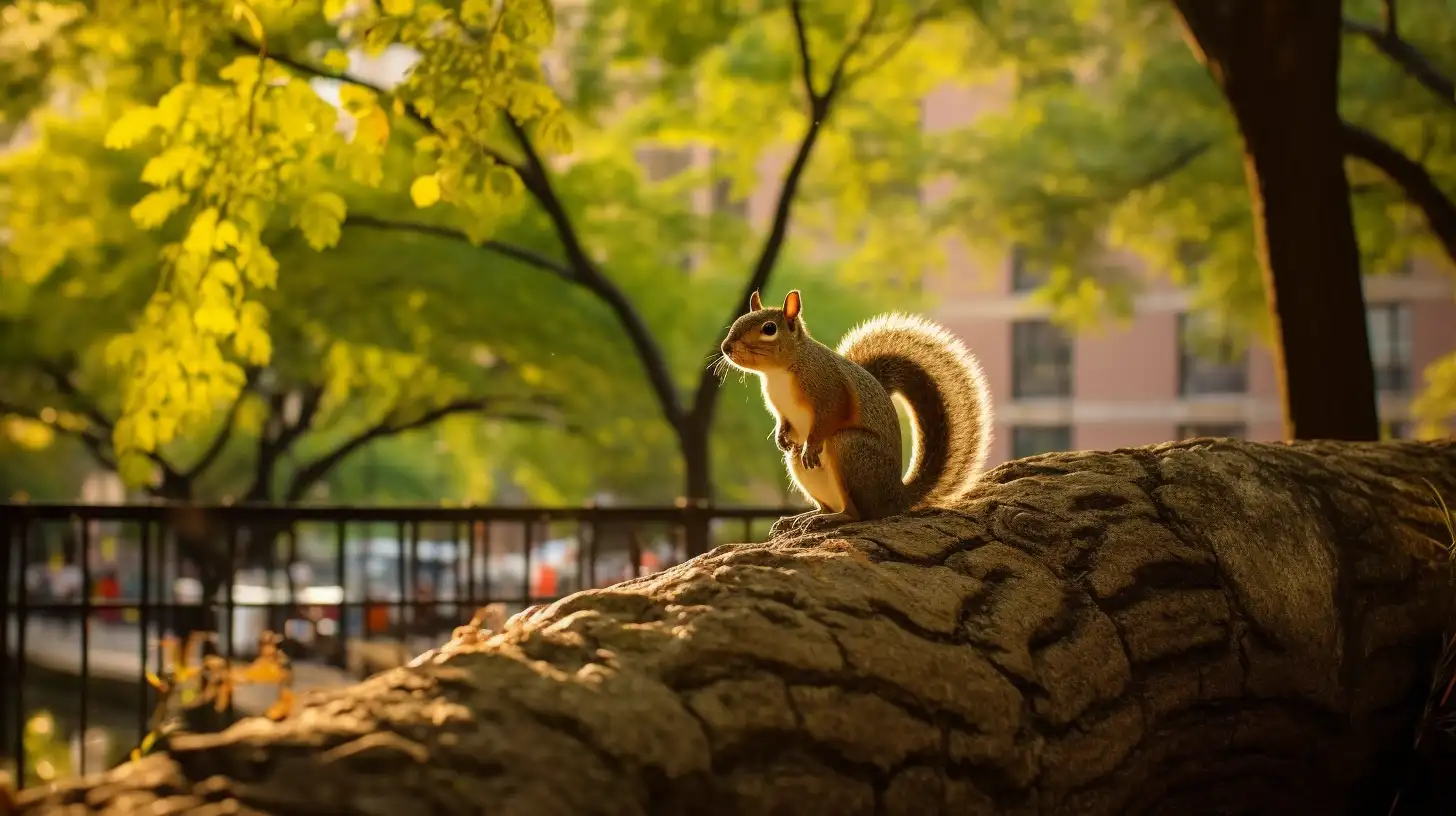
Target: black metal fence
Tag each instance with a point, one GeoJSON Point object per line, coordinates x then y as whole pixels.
{"type": "Point", "coordinates": [90, 594]}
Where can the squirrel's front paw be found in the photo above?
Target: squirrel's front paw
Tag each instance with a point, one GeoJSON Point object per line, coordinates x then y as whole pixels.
{"type": "Point", "coordinates": [809, 457]}
{"type": "Point", "coordinates": [784, 439]}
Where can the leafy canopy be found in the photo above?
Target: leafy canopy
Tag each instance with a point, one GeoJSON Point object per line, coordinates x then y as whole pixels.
{"type": "Point", "coordinates": [184, 213]}
{"type": "Point", "coordinates": [239, 146]}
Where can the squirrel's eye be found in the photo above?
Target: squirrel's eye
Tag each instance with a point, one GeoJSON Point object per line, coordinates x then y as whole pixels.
{"type": "Point", "coordinates": [769, 329]}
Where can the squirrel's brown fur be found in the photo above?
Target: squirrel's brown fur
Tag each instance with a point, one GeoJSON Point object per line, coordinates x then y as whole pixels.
{"type": "Point", "coordinates": [837, 425]}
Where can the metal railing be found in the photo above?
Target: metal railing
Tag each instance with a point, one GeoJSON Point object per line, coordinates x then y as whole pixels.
{"type": "Point", "coordinates": [89, 594]}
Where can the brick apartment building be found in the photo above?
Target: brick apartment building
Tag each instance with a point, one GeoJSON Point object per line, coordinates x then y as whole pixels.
{"type": "Point", "coordinates": [1140, 382]}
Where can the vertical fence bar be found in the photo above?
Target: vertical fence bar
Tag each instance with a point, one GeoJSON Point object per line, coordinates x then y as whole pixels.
{"type": "Point", "coordinates": [144, 619]}
{"type": "Point", "coordinates": [412, 598]}
{"type": "Point", "coordinates": [6, 612]}
{"type": "Point", "coordinates": [85, 636]}
{"type": "Point", "coordinates": [229, 599]}
{"type": "Point", "coordinates": [526, 541]}
{"type": "Point", "coordinates": [463, 612]}
{"type": "Point", "coordinates": [341, 556]}
{"type": "Point", "coordinates": [22, 623]}
{"type": "Point", "coordinates": [634, 540]}
{"type": "Point", "coordinates": [593, 530]}
{"type": "Point", "coordinates": [472, 534]}
{"type": "Point", "coordinates": [399, 628]}
{"type": "Point", "coordinates": [485, 567]}
{"type": "Point", "coordinates": [291, 608]}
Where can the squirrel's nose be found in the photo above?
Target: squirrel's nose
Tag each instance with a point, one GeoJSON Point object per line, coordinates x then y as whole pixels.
{"type": "Point", "coordinates": [727, 347]}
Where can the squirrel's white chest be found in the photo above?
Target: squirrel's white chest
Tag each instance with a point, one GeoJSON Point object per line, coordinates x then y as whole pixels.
{"type": "Point", "coordinates": [782, 396]}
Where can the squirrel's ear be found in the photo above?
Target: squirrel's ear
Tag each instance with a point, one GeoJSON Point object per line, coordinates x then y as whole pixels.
{"type": "Point", "coordinates": [754, 302]}
{"type": "Point", "coordinates": [792, 305]}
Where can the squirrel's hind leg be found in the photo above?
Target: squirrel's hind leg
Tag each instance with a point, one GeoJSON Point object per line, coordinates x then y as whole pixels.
{"type": "Point", "coordinates": [870, 481]}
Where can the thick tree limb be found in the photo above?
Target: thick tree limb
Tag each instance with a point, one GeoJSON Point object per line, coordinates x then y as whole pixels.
{"type": "Point", "coordinates": [1421, 68]}
{"type": "Point", "coordinates": [98, 446]}
{"type": "Point", "coordinates": [537, 180]}
{"type": "Point", "coordinates": [279, 435]}
{"type": "Point", "coordinates": [1089, 633]}
{"type": "Point", "coordinates": [310, 474]}
{"type": "Point", "coordinates": [502, 248]}
{"type": "Point", "coordinates": [225, 434]}
{"type": "Point", "coordinates": [98, 439]}
{"type": "Point", "coordinates": [243, 43]}
{"type": "Point", "coordinates": [1420, 188]}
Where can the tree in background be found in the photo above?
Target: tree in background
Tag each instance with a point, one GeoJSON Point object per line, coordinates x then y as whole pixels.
{"type": "Point", "coordinates": [245, 173]}
{"type": "Point", "coordinates": [1138, 148]}
{"type": "Point", "coordinates": [386, 354]}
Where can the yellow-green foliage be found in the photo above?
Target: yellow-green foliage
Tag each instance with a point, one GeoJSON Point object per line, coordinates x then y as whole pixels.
{"type": "Point", "coordinates": [239, 143]}
{"type": "Point", "coordinates": [185, 208]}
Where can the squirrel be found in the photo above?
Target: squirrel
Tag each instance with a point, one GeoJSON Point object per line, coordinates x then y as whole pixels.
{"type": "Point", "coordinates": [837, 424]}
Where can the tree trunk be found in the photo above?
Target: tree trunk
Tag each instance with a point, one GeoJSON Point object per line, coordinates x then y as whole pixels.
{"type": "Point", "coordinates": [1199, 627]}
{"type": "Point", "coordinates": [1277, 62]}
{"type": "Point", "coordinates": [696, 439]}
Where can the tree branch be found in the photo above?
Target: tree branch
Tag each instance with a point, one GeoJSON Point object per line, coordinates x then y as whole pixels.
{"type": "Point", "coordinates": [310, 474]}
{"type": "Point", "coordinates": [906, 34]}
{"type": "Point", "coordinates": [224, 434]}
{"type": "Point", "coordinates": [1420, 188]}
{"type": "Point", "coordinates": [1175, 163]}
{"type": "Point", "coordinates": [68, 388]}
{"type": "Point", "coordinates": [1406, 55]}
{"type": "Point", "coordinates": [820, 106]}
{"type": "Point", "coordinates": [806, 59]}
{"type": "Point", "coordinates": [279, 436]}
{"type": "Point", "coordinates": [584, 271]}
{"type": "Point", "coordinates": [537, 180]}
{"type": "Point", "coordinates": [242, 43]}
{"type": "Point", "coordinates": [511, 251]}
{"type": "Point", "coordinates": [96, 444]}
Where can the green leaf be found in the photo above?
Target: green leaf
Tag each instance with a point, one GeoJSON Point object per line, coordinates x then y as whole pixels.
{"type": "Point", "coordinates": [336, 60]}
{"type": "Point", "coordinates": [320, 219]}
{"type": "Point", "coordinates": [202, 234]}
{"type": "Point", "coordinates": [131, 127]}
{"type": "Point", "coordinates": [425, 191]}
{"type": "Point", "coordinates": [155, 208]}
{"type": "Point", "coordinates": [135, 469]}
{"type": "Point", "coordinates": [502, 182]}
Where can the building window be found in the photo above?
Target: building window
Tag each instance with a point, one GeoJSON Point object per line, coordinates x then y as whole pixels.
{"type": "Point", "coordinates": [1191, 257]}
{"type": "Point", "coordinates": [1025, 277]}
{"type": "Point", "coordinates": [1218, 430]}
{"type": "Point", "coordinates": [1208, 365]}
{"type": "Point", "coordinates": [723, 201]}
{"type": "Point", "coordinates": [1041, 364]}
{"type": "Point", "coordinates": [1389, 325]}
{"type": "Point", "coordinates": [663, 163]}
{"type": "Point", "coordinates": [1030, 440]}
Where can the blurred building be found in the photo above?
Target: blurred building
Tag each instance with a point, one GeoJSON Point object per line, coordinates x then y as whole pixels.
{"type": "Point", "coordinates": [1141, 382]}
{"type": "Point", "coordinates": [1138, 382]}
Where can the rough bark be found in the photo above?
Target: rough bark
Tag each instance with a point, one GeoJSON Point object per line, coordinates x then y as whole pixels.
{"type": "Point", "coordinates": [1277, 63]}
{"type": "Point", "coordinates": [1199, 627]}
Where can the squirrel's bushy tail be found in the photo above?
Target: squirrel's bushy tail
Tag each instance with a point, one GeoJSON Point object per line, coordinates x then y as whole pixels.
{"type": "Point", "coordinates": [950, 404]}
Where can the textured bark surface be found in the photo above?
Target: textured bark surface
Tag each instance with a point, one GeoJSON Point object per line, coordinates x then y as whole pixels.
{"type": "Point", "coordinates": [1202, 627]}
